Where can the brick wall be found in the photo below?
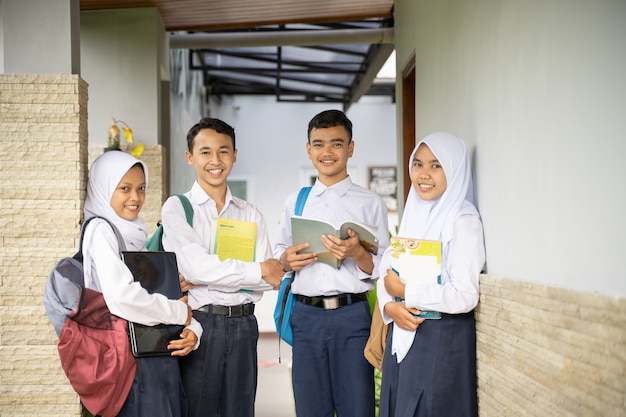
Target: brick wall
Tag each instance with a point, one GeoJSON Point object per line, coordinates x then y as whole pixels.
{"type": "Point", "coordinates": [546, 351]}
{"type": "Point", "coordinates": [43, 160]}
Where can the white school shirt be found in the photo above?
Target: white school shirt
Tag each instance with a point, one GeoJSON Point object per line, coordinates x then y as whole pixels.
{"type": "Point", "coordinates": [462, 260]}
{"type": "Point", "coordinates": [341, 202]}
{"type": "Point", "coordinates": [219, 282]}
{"type": "Point", "coordinates": [124, 296]}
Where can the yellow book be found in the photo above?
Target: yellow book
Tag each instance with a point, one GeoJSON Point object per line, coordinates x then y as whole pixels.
{"type": "Point", "coordinates": [417, 261]}
{"type": "Point", "coordinates": [235, 239]}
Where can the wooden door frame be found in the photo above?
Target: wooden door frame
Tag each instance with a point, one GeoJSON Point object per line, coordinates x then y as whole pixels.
{"type": "Point", "coordinates": [408, 122]}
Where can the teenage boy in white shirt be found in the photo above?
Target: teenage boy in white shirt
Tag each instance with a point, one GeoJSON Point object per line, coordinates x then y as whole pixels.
{"type": "Point", "coordinates": [221, 376]}
{"type": "Point", "coordinates": [331, 320]}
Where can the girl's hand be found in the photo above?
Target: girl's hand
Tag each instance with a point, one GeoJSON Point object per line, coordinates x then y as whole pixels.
{"type": "Point", "coordinates": [402, 316]}
{"type": "Point", "coordinates": [183, 346]}
{"type": "Point", "coordinates": [393, 285]}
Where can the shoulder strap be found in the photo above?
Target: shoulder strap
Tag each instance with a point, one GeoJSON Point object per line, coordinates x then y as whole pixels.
{"type": "Point", "coordinates": [188, 208]}
{"type": "Point", "coordinates": [120, 239]}
{"type": "Point", "coordinates": [302, 196]}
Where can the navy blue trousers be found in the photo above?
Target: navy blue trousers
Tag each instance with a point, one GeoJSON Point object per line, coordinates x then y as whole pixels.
{"type": "Point", "coordinates": [157, 389]}
{"type": "Point", "coordinates": [330, 372]}
{"type": "Point", "coordinates": [220, 377]}
{"type": "Point", "coordinates": [437, 378]}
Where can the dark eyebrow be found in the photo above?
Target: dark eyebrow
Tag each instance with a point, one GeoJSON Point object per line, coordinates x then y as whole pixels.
{"type": "Point", "coordinates": [202, 148]}
{"type": "Point", "coordinates": [431, 161]}
{"type": "Point", "coordinates": [331, 140]}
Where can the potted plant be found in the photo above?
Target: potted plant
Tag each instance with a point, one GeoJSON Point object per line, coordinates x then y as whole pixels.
{"type": "Point", "coordinates": [115, 134]}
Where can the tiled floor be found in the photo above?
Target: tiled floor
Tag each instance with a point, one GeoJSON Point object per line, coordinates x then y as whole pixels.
{"type": "Point", "coordinates": [274, 397]}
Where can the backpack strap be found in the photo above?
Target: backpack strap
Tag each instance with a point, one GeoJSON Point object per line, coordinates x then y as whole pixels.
{"type": "Point", "coordinates": [302, 196]}
{"type": "Point", "coordinates": [188, 208]}
{"type": "Point", "coordinates": [120, 239]}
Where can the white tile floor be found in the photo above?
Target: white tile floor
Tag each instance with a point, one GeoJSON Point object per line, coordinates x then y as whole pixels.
{"type": "Point", "coordinates": [274, 397]}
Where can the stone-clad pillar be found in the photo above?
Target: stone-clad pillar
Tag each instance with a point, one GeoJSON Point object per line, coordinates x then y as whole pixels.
{"type": "Point", "coordinates": [43, 170]}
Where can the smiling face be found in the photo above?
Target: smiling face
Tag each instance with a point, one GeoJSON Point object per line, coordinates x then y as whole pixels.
{"type": "Point", "coordinates": [130, 194]}
{"type": "Point", "coordinates": [213, 158]}
{"type": "Point", "coordinates": [427, 174]}
{"type": "Point", "coordinates": [329, 149]}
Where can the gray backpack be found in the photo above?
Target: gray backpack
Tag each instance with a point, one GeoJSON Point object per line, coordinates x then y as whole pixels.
{"type": "Point", "coordinates": [63, 286]}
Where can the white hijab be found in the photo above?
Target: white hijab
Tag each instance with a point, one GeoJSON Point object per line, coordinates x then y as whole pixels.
{"type": "Point", "coordinates": [434, 220]}
{"type": "Point", "coordinates": [104, 176]}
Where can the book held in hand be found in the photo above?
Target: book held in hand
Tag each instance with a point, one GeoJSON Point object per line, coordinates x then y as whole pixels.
{"type": "Point", "coordinates": [235, 239]}
{"type": "Point", "coordinates": [417, 261]}
{"type": "Point", "coordinates": [306, 230]}
{"type": "Point", "coordinates": [157, 272]}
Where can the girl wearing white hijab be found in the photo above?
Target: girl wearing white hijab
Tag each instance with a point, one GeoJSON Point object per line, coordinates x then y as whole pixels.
{"type": "Point", "coordinates": [429, 366]}
{"type": "Point", "coordinates": [116, 191]}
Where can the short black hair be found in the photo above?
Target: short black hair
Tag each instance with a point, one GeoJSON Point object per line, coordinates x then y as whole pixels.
{"type": "Point", "coordinates": [330, 118]}
{"type": "Point", "coordinates": [218, 125]}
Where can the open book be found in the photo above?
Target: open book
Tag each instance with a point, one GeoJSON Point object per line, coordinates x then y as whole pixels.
{"type": "Point", "coordinates": [306, 230]}
{"type": "Point", "coordinates": [417, 261]}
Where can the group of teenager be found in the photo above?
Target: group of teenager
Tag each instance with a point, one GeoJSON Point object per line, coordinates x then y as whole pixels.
{"type": "Point", "coordinates": [429, 366]}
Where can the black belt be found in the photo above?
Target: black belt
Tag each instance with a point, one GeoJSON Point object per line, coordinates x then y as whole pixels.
{"type": "Point", "coordinates": [332, 302]}
{"type": "Point", "coordinates": [228, 311]}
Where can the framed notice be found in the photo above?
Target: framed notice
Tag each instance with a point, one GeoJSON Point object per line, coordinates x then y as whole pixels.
{"type": "Point", "coordinates": [383, 180]}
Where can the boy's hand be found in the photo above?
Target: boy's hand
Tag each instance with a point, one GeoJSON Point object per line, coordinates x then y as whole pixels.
{"type": "Point", "coordinates": [291, 261]}
{"type": "Point", "coordinates": [185, 344]}
{"type": "Point", "coordinates": [189, 312]}
{"type": "Point", "coordinates": [272, 272]}
{"type": "Point", "coordinates": [185, 285]}
{"type": "Point", "coordinates": [349, 248]}
{"type": "Point", "coordinates": [343, 248]}
{"type": "Point", "coordinates": [402, 316]}
{"type": "Point", "coordinates": [393, 285]}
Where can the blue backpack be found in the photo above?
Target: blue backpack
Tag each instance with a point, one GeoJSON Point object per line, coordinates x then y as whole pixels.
{"type": "Point", "coordinates": [286, 299]}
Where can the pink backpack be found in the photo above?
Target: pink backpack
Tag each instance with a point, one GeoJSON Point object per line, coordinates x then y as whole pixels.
{"type": "Point", "coordinates": [93, 343]}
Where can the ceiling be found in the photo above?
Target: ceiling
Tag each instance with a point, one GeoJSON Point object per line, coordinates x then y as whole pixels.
{"type": "Point", "coordinates": [299, 51]}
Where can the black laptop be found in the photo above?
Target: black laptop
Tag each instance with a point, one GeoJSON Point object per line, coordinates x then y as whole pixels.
{"type": "Point", "coordinates": [156, 272]}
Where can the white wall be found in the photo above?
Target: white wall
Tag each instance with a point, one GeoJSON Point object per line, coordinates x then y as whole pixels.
{"type": "Point", "coordinates": [271, 139]}
{"type": "Point", "coordinates": [538, 91]}
{"type": "Point", "coordinates": [121, 57]}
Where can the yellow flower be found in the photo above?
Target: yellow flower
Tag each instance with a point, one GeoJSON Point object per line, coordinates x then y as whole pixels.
{"type": "Point", "coordinates": [114, 137]}
{"type": "Point", "coordinates": [137, 151]}
{"type": "Point", "coordinates": [128, 134]}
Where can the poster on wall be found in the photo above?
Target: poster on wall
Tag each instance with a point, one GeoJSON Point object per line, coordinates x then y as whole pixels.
{"type": "Point", "coordinates": [383, 180]}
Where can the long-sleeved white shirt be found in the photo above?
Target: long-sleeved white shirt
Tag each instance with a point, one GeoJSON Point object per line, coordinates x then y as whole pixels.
{"type": "Point", "coordinates": [463, 259]}
{"type": "Point", "coordinates": [341, 202]}
{"type": "Point", "coordinates": [124, 296]}
{"type": "Point", "coordinates": [228, 282]}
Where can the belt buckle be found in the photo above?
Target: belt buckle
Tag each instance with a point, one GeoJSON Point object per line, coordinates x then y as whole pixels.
{"type": "Point", "coordinates": [331, 303]}
{"type": "Point", "coordinates": [230, 311]}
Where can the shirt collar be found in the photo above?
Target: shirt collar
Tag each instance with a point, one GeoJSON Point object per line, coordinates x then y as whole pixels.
{"type": "Point", "coordinates": [339, 188]}
{"type": "Point", "coordinates": [199, 196]}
